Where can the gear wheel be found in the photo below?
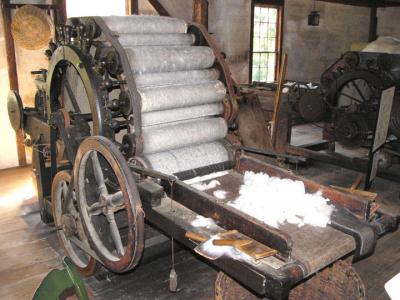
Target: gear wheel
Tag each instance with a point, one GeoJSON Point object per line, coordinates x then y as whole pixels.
{"type": "Point", "coordinates": [351, 130]}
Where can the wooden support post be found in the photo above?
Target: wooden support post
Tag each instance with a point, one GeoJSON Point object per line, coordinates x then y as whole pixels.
{"type": "Point", "coordinates": [12, 73]}
{"type": "Point", "coordinates": [132, 7]}
{"type": "Point", "coordinates": [159, 8]}
{"type": "Point", "coordinates": [277, 114]}
{"type": "Point", "coordinates": [200, 12]}
{"type": "Point", "coordinates": [61, 12]}
{"type": "Point", "coordinates": [373, 24]}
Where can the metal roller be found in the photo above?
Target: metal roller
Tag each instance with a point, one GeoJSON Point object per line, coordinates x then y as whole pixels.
{"type": "Point", "coordinates": [192, 157]}
{"type": "Point", "coordinates": [169, 39]}
{"type": "Point", "coordinates": [145, 24]}
{"type": "Point", "coordinates": [182, 134]}
{"type": "Point", "coordinates": [154, 59]}
{"type": "Point", "coordinates": [175, 96]}
{"type": "Point", "coordinates": [181, 114]}
{"type": "Point", "coordinates": [174, 78]}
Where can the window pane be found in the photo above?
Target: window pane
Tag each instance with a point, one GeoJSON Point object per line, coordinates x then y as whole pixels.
{"type": "Point", "coordinates": [272, 15]}
{"type": "Point", "coordinates": [271, 45]}
{"type": "Point", "coordinates": [263, 74]}
{"type": "Point", "coordinates": [270, 76]}
{"type": "Point", "coordinates": [264, 60]}
{"type": "Point", "coordinates": [256, 33]}
{"type": "Point", "coordinates": [78, 8]}
{"type": "Point", "coordinates": [271, 60]}
{"type": "Point", "coordinates": [272, 31]}
{"type": "Point", "coordinates": [264, 14]}
{"type": "Point", "coordinates": [256, 60]}
{"type": "Point", "coordinates": [256, 74]}
{"type": "Point", "coordinates": [257, 14]}
{"type": "Point", "coordinates": [264, 43]}
{"type": "Point", "coordinates": [263, 30]}
{"type": "Point", "coordinates": [256, 45]}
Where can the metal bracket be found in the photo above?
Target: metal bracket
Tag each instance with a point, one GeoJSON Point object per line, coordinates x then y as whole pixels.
{"type": "Point", "coordinates": [363, 234]}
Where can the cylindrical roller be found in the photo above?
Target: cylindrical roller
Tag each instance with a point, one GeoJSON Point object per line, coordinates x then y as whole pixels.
{"type": "Point", "coordinates": [155, 59]}
{"type": "Point", "coordinates": [182, 134]}
{"type": "Point", "coordinates": [168, 39]}
{"type": "Point", "coordinates": [188, 158]}
{"type": "Point", "coordinates": [145, 24]}
{"type": "Point", "coordinates": [175, 96]}
{"type": "Point", "coordinates": [181, 114]}
{"type": "Point", "coordinates": [180, 77]}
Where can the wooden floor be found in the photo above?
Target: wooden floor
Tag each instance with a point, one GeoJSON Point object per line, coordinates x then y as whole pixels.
{"type": "Point", "coordinates": [26, 255]}
{"type": "Point", "coordinates": [29, 249]}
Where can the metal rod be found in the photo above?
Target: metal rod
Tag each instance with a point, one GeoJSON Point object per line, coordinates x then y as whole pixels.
{"type": "Point", "coordinates": [152, 173]}
{"type": "Point", "coordinates": [270, 153]}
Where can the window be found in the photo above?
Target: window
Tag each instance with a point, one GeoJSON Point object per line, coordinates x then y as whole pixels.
{"type": "Point", "coordinates": [78, 8]}
{"type": "Point", "coordinates": [265, 43]}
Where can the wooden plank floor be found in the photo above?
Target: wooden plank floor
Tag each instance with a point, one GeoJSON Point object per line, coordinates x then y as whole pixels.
{"type": "Point", "coordinates": [29, 249]}
{"type": "Point", "coordinates": [26, 255]}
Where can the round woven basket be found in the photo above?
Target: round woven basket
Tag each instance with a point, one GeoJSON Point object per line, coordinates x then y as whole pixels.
{"type": "Point", "coordinates": [32, 28]}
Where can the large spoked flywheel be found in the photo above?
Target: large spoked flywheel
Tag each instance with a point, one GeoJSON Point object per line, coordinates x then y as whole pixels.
{"type": "Point", "coordinates": [68, 223]}
{"type": "Point", "coordinates": [354, 100]}
{"type": "Point", "coordinates": [109, 204]}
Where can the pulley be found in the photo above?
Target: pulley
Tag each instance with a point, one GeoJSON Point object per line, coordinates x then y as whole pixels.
{"type": "Point", "coordinates": [311, 106]}
{"type": "Point", "coordinates": [351, 129]}
{"type": "Point", "coordinates": [15, 110]}
{"type": "Point", "coordinates": [68, 224]}
{"type": "Point", "coordinates": [109, 204]}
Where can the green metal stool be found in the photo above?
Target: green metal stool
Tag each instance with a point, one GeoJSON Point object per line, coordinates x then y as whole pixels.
{"type": "Point", "coordinates": [60, 284]}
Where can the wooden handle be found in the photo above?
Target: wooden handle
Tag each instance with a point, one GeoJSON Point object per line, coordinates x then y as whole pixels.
{"type": "Point", "coordinates": [195, 236]}
{"type": "Point", "coordinates": [356, 183]}
{"type": "Point", "coordinates": [230, 242]}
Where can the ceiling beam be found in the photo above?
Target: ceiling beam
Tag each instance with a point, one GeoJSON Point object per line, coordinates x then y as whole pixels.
{"type": "Point", "coordinates": [366, 3]}
{"type": "Point", "coordinates": [132, 7]}
{"type": "Point", "coordinates": [200, 12]}
{"type": "Point", "coordinates": [12, 72]}
{"type": "Point", "coordinates": [159, 8]}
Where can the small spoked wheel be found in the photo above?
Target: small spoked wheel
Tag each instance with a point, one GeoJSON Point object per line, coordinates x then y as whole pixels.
{"type": "Point", "coordinates": [109, 204]}
{"type": "Point", "coordinates": [68, 223]}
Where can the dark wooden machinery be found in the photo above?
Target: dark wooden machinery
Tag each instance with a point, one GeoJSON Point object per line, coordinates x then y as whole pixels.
{"type": "Point", "coordinates": [128, 110]}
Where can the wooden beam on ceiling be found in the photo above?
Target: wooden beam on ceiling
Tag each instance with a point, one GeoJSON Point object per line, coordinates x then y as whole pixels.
{"type": "Point", "coordinates": [12, 73]}
{"type": "Point", "coordinates": [200, 12]}
{"type": "Point", "coordinates": [373, 25]}
{"type": "Point", "coordinates": [159, 8]}
{"type": "Point", "coordinates": [132, 7]}
{"type": "Point", "coordinates": [366, 3]}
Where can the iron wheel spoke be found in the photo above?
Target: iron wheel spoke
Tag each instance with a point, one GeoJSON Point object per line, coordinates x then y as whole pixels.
{"type": "Point", "coordinates": [95, 209]}
{"type": "Point", "coordinates": [116, 237]}
{"type": "Point", "coordinates": [82, 245]}
{"type": "Point", "coordinates": [66, 196]}
{"type": "Point", "coordinates": [71, 95]}
{"type": "Point", "coordinates": [359, 91]}
{"type": "Point", "coordinates": [351, 97]}
{"type": "Point", "coordinates": [98, 173]}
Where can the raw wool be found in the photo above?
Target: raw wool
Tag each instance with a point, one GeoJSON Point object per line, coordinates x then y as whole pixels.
{"type": "Point", "coordinates": [209, 248]}
{"type": "Point", "coordinates": [206, 177]}
{"type": "Point", "coordinates": [289, 84]}
{"type": "Point", "coordinates": [206, 186]}
{"type": "Point", "coordinates": [275, 201]}
{"type": "Point", "coordinates": [384, 44]}
{"type": "Point", "coordinates": [201, 221]}
{"type": "Point", "coordinates": [220, 194]}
